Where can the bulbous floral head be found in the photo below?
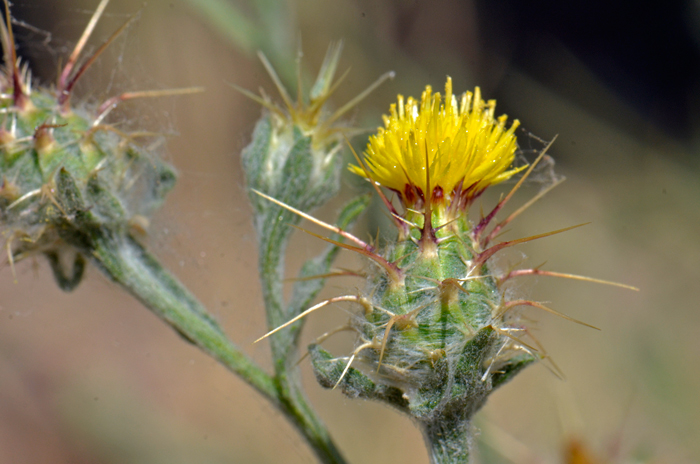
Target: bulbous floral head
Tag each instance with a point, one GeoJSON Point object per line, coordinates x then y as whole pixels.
{"type": "Point", "coordinates": [294, 153]}
{"type": "Point", "coordinates": [465, 146]}
{"type": "Point", "coordinates": [66, 173]}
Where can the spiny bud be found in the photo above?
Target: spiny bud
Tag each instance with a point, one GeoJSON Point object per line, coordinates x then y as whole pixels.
{"type": "Point", "coordinates": [64, 172]}
{"type": "Point", "coordinates": [294, 155]}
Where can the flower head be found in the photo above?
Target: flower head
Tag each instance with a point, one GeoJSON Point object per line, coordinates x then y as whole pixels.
{"type": "Point", "coordinates": [466, 148]}
{"type": "Point", "coordinates": [294, 152]}
{"type": "Point", "coordinates": [67, 175]}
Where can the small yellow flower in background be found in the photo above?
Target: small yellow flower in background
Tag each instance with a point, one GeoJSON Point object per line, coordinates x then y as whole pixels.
{"type": "Point", "coordinates": [466, 147]}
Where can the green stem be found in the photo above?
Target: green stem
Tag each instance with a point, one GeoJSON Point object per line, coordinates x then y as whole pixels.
{"type": "Point", "coordinates": [296, 407]}
{"type": "Point", "coordinates": [448, 441]}
{"type": "Point", "coordinates": [283, 344]}
{"type": "Point", "coordinates": [126, 262]}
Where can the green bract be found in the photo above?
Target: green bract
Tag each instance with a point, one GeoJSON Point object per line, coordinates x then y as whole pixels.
{"type": "Point", "coordinates": [63, 174]}
{"type": "Point", "coordinates": [433, 343]}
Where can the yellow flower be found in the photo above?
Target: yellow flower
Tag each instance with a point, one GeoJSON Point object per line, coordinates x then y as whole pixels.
{"type": "Point", "coordinates": [466, 148]}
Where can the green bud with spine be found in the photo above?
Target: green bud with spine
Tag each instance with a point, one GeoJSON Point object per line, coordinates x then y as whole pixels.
{"type": "Point", "coordinates": [295, 157]}
{"type": "Point", "coordinates": [65, 172]}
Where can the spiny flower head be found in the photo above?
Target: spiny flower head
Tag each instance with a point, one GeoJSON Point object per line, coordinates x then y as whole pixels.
{"type": "Point", "coordinates": [465, 146]}
{"type": "Point", "coordinates": [438, 326]}
{"type": "Point", "coordinates": [294, 152]}
{"type": "Point", "coordinates": [65, 172]}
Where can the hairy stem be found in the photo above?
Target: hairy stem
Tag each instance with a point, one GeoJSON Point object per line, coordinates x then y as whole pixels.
{"type": "Point", "coordinates": [448, 441]}
{"type": "Point", "coordinates": [294, 402]}
{"type": "Point", "coordinates": [126, 262]}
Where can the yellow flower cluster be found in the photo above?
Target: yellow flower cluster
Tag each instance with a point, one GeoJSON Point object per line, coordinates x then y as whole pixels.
{"type": "Point", "coordinates": [465, 147]}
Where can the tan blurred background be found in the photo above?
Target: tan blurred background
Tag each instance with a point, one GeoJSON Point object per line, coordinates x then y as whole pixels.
{"type": "Point", "coordinates": [93, 377]}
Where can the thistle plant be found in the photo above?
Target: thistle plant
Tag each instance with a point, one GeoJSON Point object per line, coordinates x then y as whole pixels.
{"type": "Point", "coordinates": [437, 330]}
{"type": "Point", "coordinates": [74, 187]}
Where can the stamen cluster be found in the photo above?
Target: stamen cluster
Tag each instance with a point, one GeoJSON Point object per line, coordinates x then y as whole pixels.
{"type": "Point", "coordinates": [465, 146]}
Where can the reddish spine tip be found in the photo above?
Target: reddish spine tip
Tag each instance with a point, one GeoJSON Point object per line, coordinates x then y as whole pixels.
{"type": "Point", "coordinates": [19, 97]}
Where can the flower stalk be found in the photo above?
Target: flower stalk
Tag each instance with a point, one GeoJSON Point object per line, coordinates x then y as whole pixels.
{"type": "Point", "coordinates": [294, 158]}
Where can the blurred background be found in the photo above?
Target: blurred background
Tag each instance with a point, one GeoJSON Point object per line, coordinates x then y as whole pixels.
{"type": "Point", "coordinates": [93, 377]}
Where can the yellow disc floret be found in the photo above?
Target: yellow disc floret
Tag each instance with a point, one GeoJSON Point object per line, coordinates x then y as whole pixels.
{"type": "Point", "coordinates": [466, 148]}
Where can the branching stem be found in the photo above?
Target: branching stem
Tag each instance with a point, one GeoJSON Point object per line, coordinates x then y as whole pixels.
{"type": "Point", "coordinates": [125, 261]}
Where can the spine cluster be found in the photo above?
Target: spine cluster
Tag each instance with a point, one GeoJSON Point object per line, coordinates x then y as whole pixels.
{"type": "Point", "coordinates": [66, 176]}
{"type": "Point", "coordinates": [436, 331]}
